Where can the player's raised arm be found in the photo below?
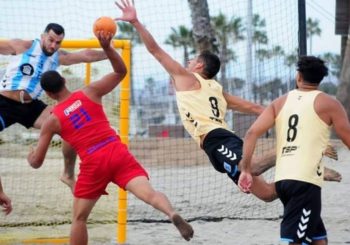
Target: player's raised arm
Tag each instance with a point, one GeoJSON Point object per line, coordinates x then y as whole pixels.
{"type": "Point", "coordinates": [106, 84]}
{"type": "Point", "coordinates": [171, 66]}
{"type": "Point", "coordinates": [83, 56]}
{"type": "Point", "coordinates": [14, 46]}
{"type": "Point", "coordinates": [238, 104]}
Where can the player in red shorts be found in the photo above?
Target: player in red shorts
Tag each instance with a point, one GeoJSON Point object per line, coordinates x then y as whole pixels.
{"type": "Point", "coordinates": [79, 119]}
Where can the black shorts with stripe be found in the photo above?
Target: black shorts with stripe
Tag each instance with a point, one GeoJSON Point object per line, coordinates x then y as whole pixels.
{"type": "Point", "coordinates": [12, 112]}
{"type": "Point", "coordinates": [224, 150]}
{"type": "Point", "coordinates": [302, 222]}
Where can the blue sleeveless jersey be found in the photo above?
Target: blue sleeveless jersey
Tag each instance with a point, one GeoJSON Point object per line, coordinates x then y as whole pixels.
{"type": "Point", "coordinates": [24, 70]}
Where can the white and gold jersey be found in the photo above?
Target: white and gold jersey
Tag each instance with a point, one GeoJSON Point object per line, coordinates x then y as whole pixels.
{"type": "Point", "coordinates": [202, 110]}
{"type": "Point", "coordinates": [302, 137]}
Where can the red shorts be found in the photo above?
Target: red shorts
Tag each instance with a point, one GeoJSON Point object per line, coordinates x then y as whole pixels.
{"type": "Point", "coordinates": [112, 163]}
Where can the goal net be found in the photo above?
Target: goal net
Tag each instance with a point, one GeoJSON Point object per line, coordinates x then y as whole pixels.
{"type": "Point", "coordinates": [257, 67]}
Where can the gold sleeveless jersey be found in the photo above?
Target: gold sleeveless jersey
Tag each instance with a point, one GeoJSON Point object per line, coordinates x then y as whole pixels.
{"type": "Point", "coordinates": [202, 110]}
{"type": "Point", "coordinates": [301, 138]}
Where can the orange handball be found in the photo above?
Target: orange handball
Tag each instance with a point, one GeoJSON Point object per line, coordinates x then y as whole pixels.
{"type": "Point", "coordinates": [105, 24]}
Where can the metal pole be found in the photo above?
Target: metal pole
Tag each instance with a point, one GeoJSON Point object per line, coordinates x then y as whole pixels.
{"type": "Point", "coordinates": [302, 27]}
{"type": "Point", "coordinates": [124, 132]}
{"type": "Point", "coordinates": [249, 61]}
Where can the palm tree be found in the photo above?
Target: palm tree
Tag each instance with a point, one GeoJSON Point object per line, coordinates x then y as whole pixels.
{"type": "Point", "coordinates": [328, 87]}
{"type": "Point", "coordinates": [261, 55]}
{"type": "Point", "coordinates": [259, 38]}
{"type": "Point", "coordinates": [276, 52]}
{"type": "Point", "coordinates": [150, 84]}
{"type": "Point", "coordinates": [182, 37]}
{"type": "Point", "coordinates": [274, 87]}
{"type": "Point", "coordinates": [127, 31]}
{"type": "Point", "coordinates": [334, 63]}
{"type": "Point", "coordinates": [203, 32]}
{"type": "Point", "coordinates": [259, 34]}
{"type": "Point", "coordinates": [290, 60]}
{"type": "Point", "coordinates": [312, 29]}
{"type": "Point", "coordinates": [227, 31]}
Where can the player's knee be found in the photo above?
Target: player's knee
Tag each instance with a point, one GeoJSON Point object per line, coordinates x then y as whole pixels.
{"type": "Point", "coordinates": [80, 217]}
{"type": "Point", "coordinates": [256, 172]}
{"type": "Point", "coordinates": [269, 198]}
{"type": "Point", "coordinates": [264, 190]}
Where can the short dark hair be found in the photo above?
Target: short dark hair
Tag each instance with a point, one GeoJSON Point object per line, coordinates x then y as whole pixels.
{"type": "Point", "coordinates": [312, 69]}
{"type": "Point", "coordinates": [52, 81]}
{"type": "Point", "coordinates": [211, 63]}
{"type": "Point", "coordinates": [56, 28]}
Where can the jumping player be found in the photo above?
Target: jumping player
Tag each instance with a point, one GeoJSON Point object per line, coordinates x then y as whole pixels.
{"type": "Point", "coordinates": [79, 119]}
{"type": "Point", "coordinates": [202, 106]}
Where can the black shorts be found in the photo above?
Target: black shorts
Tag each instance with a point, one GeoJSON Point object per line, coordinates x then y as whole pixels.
{"type": "Point", "coordinates": [302, 222]}
{"type": "Point", "coordinates": [224, 150]}
{"type": "Point", "coordinates": [15, 112]}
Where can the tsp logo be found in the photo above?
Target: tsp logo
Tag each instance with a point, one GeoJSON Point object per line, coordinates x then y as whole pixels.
{"type": "Point", "coordinates": [289, 149]}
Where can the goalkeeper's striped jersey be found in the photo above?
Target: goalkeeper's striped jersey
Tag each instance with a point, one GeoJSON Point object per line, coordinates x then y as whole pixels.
{"type": "Point", "coordinates": [202, 110]}
{"type": "Point", "coordinates": [24, 70]}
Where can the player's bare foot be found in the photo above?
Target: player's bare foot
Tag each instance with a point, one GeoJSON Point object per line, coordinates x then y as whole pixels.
{"type": "Point", "coordinates": [331, 175]}
{"type": "Point", "coordinates": [185, 228]}
{"type": "Point", "coordinates": [69, 181]}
